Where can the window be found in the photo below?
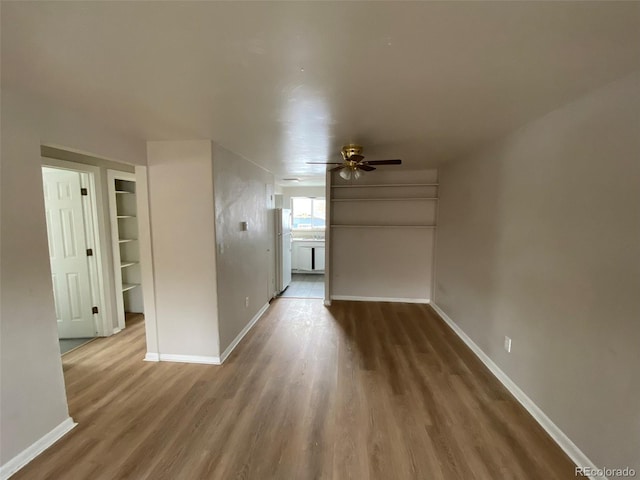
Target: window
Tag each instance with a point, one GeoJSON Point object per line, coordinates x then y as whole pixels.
{"type": "Point", "coordinates": [308, 213]}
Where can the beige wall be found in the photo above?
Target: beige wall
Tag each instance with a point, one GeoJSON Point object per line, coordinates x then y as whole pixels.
{"type": "Point", "coordinates": [242, 266]}
{"type": "Point", "coordinates": [181, 206]}
{"type": "Point", "coordinates": [539, 239]}
{"type": "Point", "coordinates": [31, 383]}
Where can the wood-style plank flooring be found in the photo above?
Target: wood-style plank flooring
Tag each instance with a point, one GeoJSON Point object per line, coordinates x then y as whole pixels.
{"type": "Point", "coordinates": [353, 391]}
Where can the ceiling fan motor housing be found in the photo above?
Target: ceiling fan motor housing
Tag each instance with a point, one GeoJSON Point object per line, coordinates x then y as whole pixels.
{"type": "Point", "coordinates": [351, 149]}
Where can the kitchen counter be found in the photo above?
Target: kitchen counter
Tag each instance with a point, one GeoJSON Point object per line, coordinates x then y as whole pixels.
{"type": "Point", "coordinates": [307, 255]}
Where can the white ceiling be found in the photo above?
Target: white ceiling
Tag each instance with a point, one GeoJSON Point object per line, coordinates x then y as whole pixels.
{"type": "Point", "coordinates": [285, 83]}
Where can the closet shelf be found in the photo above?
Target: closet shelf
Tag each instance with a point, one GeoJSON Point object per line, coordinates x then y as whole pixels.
{"type": "Point", "coordinates": [123, 191]}
{"type": "Point", "coordinates": [126, 263]}
{"type": "Point", "coordinates": [383, 226]}
{"type": "Point", "coordinates": [378, 199]}
{"type": "Point", "coordinates": [388, 185]}
{"type": "Point", "coordinates": [126, 216]}
{"type": "Point", "coordinates": [125, 240]}
{"type": "Point", "coordinates": [129, 286]}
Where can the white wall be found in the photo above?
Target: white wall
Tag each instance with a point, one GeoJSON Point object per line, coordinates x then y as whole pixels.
{"type": "Point", "coordinates": [32, 386]}
{"type": "Point", "coordinates": [539, 239]}
{"type": "Point", "coordinates": [242, 266]}
{"type": "Point", "coordinates": [181, 205]}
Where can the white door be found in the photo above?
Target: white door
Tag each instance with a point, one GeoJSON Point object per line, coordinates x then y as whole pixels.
{"type": "Point", "coordinates": [271, 233]}
{"type": "Point", "coordinates": [286, 259]}
{"type": "Point", "coordinates": [304, 261]}
{"type": "Point", "coordinates": [319, 258]}
{"type": "Point", "coordinates": [68, 253]}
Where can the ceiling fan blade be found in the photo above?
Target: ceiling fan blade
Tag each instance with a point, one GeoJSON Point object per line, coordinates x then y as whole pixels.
{"type": "Point", "coordinates": [355, 158]}
{"type": "Point", "coordinates": [365, 167]}
{"type": "Point", "coordinates": [383, 162]}
{"type": "Point", "coordinates": [323, 163]}
{"type": "Point", "coordinates": [335, 169]}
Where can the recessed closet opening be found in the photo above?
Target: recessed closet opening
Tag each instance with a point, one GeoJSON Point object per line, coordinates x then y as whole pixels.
{"type": "Point", "coordinates": [126, 248]}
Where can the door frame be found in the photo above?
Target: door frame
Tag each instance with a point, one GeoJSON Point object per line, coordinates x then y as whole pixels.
{"type": "Point", "coordinates": [98, 235]}
{"type": "Point", "coordinates": [327, 239]}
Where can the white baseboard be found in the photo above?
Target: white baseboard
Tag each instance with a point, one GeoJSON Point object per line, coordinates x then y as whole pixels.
{"type": "Point", "coordinates": [563, 441]}
{"type": "Point", "coordinates": [244, 331]}
{"type": "Point", "coordinates": [31, 452]}
{"type": "Point", "coordinates": [327, 303]}
{"type": "Point", "coordinates": [379, 299]}
{"type": "Point", "coordinates": [207, 360]}
{"type": "Point", "coordinates": [152, 357]}
{"type": "Point", "coordinates": [116, 330]}
{"type": "Point", "coordinates": [171, 357]}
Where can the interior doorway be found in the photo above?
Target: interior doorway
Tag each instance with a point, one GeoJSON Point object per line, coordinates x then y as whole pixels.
{"type": "Point", "coordinates": [74, 247]}
{"type": "Point", "coordinates": [302, 232]}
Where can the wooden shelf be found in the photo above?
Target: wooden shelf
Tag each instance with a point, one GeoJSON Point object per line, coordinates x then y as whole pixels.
{"type": "Point", "coordinates": [129, 286]}
{"type": "Point", "coordinates": [382, 199]}
{"type": "Point", "coordinates": [126, 216]}
{"type": "Point", "coordinates": [126, 263]}
{"type": "Point", "coordinates": [388, 185]}
{"type": "Point", "coordinates": [383, 226]}
{"type": "Point", "coordinates": [125, 240]}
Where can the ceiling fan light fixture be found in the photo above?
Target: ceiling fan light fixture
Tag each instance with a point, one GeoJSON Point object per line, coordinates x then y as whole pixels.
{"type": "Point", "coordinates": [353, 165]}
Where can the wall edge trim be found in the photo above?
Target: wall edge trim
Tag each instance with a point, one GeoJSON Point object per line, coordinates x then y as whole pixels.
{"type": "Point", "coordinates": [243, 332]}
{"type": "Point", "coordinates": [173, 357]}
{"type": "Point", "coordinates": [379, 299]}
{"type": "Point", "coordinates": [36, 448]}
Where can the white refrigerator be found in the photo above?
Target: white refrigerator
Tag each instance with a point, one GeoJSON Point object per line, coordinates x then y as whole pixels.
{"type": "Point", "coordinates": [283, 248]}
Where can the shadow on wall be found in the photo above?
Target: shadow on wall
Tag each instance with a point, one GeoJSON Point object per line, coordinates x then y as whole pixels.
{"type": "Point", "coordinates": [538, 239]}
{"type": "Point", "coordinates": [471, 246]}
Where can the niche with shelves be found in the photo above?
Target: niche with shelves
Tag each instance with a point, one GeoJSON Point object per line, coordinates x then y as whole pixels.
{"type": "Point", "coordinates": [391, 217]}
{"type": "Point", "coordinates": [126, 251]}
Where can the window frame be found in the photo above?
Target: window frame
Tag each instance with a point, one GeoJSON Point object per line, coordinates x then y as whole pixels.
{"type": "Point", "coordinates": [313, 217]}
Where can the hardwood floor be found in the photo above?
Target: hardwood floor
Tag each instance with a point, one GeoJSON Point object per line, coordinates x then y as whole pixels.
{"type": "Point", "coordinates": [354, 391]}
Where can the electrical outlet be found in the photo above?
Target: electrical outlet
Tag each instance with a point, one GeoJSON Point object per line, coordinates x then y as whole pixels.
{"type": "Point", "coordinates": [507, 344]}
{"type": "Point", "coordinates": [246, 302]}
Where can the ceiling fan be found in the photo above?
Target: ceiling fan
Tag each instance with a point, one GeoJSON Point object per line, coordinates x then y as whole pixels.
{"type": "Point", "coordinates": [354, 164]}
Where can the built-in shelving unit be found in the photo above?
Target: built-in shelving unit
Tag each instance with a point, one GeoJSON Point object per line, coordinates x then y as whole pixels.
{"type": "Point", "coordinates": [395, 205]}
{"type": "Point", "coordinates": [383, 226]}
{"type": "Point", "coordinates": [383, 199]}
{"type": "Point", "coordinates": [126, 255]}
{"type": "Point", "coordinates": [376, 185]}
{"type": "Point", "coordinates": [383, 234]}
